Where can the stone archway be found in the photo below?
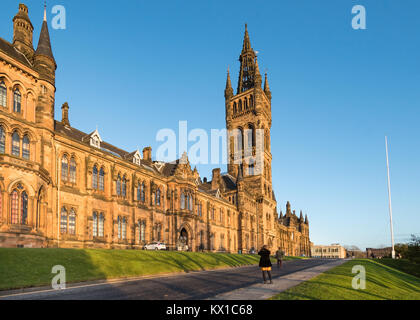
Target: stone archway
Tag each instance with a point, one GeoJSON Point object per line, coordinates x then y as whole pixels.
{"type": "Point", "coordinates": [185, 237]}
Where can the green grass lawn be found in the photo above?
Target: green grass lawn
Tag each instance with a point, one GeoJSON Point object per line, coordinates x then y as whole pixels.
{"type": "Point", "coordinates": [382, 282]}
{"type": "Point", "coordinates": [402, 265]}
{"type": "Point", "coordinates": [32, 267]}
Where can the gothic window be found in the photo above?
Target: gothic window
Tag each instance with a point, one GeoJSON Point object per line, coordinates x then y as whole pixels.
{"type": "Point", "coordinates": [251, 101]}
{"type": "Point", "coordinates": [246, 103]}
{"type": "Point", "coordinates": [143, 194]}
{"type": "Point", "coordinates": [95, 224]}
{"type": "Point", "coordinates": [16, 144]}
{"type": "Point", "coordinates": [119, 227]}
{"type": "Point", "coordinates": [124, 229]}
{"type": "Point", "coordinates": [101, 179]}
{"type": "Point", "coordinates": [119, 185]}
{"type": "Point", "coordinates": [234, 108]}
{"type": "Point", "coordinates": [240, 105]}
{"type": "Point", "coordinates": [182, 201]}
{"type": "Point", "coordinates": [95, 177]}
{"type": "Point", "coordinates": [72, 170]}
{"type": "Point", "coordinates": [158, 197]}
{"type": "Point", "coordinates": [2, 140]}
{"type": "Point", "coordinates": [142, 231]}
{"type": "Point", "coordinates": [64, 168]}
{"type": "Point", "coordinates": [24, 208]}
{"type": "Point", "coordinates": [17, 101]}
{"type": "Point", "coordinates": [72, 222]}
{"type": "Point", "coordinates": [63, 220]}
{"type": "Point", "coordinates": [3, 94]}
{"type": "Point", "coordinates": [101, 225]}
{"type": "Point", "coordinates": [14, 206]}
{"type": "Point", "coordinates": [25, 148]}
{"type": "Point", "coordinates": [138, 191]}
{"type": "Point", "coordinates": [124, 187]}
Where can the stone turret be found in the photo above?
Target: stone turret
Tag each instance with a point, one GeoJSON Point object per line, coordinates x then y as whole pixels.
{"type": "Point", "coordinates": [23, 32]}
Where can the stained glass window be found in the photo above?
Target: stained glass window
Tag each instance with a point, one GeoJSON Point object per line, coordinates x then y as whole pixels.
{"type": "Point", "coordinates": [24, 209]}
{"type": "Point", "coordinates": [124, 229]}
{"type": "Point", "coordinates": [14, 206]}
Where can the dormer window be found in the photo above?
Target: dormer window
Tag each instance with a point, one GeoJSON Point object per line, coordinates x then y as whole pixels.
{"type": "Point", "coordinates": [137, 158]}
{"type": "Point", "coordinates": [95, 139]}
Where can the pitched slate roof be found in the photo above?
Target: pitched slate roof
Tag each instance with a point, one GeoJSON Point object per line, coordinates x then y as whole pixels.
{"type": "Point", "coordinates": [8, 48]}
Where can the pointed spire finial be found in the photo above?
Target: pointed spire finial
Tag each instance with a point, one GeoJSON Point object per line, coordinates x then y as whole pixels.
{"type": "Point", "coordinates": [228, 90]}
{"type": "Point", "coordinates": [45, 10]}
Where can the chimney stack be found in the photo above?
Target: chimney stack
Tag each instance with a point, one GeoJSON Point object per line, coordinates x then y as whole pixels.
{"type": "Point", "coordinates": [147, 154]}
{"type": "Point", "coordinates": [65, 114]}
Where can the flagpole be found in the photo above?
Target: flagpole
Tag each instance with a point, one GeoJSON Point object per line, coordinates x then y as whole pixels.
{"type": "Point", "coordinates": [389, 198]}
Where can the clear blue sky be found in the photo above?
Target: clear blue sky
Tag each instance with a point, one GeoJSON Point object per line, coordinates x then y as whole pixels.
{"type": "Point", "coordinates": [134, 67]}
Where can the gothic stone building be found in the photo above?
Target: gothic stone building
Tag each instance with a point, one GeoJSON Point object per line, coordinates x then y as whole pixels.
{"type": "Point", "coordinates": [63, 187]}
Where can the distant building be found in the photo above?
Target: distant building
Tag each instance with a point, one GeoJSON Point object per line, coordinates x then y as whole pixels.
{"type": "Point", "coordinates": [378, 253]}
{"type": "Point", "coordinates": [334, 251]}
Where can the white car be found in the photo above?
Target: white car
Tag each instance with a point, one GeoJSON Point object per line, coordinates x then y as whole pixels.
{"type": "Point", "coordinates": [155, 246]}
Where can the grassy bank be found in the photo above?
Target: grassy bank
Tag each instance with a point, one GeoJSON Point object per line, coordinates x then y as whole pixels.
{"type": "Point", "coordinates": [402, 265]}
{"type": "Point", "coordinates": [382, 282]}
{"type": "Point", "coordinates": [32, 267]}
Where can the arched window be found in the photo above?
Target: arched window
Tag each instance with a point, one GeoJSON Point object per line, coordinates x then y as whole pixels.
{"type": "Point", "coordinates": [95, 178]}
{"type": "Point", "coordinates": [64, 168]}
{"type": "Point", "coordinates": [72, 170]}
{"type": "Point", "coordinates": [158, 197]}
{"type": "Point", "coordinates": [239, 140]}
{"type": "Point", "coordinates": [72, 222]}
{"type": "Point", "coordinates": [240, 106]}
{"type": "Point", "coordinates": [16, 144]}
{"type": "Point", "coordinates": [24, 208]}
{"type": "Point", "coordinates": [143, 193]}
{"type": "Point", "coordinates": [250, 137]}
{"type": "Point", "coordinates": [142, 231]}
{"type": "Point", "coordinates": [25, 148]}
{"type": "Point", "coordinates": [182, 201]}
{"type": "Point", "coordinates": [138, 191]}
{"type": "Point", "coordinates": [235, 108]}
{"type": "Point", "coordinates": [251, 101]}
{"type": "Point", "coordinates": [124, 187]}
{"type": "Point", "coordinates": [102, 180]}
{"type": "Point", "coordinates": [124, 229]}
{"type": "Point", "coordinates": [63, 220]}
{"type": "Point", "coordinates": [2, 140]}
{"type": "Point", "coordinates": [101, 225]}
{"type": "Point", "coordinates": [14, 207]}
{"type": "Point", "coordinates": [3, 95]}
{"type": "Point", "coordinates": [246, 103]}
{"type": "Point", "coordinates": [119, 185]}
{"type": "Point", "coordinates": [95, 224]}
{"type": "Point", "coordinates": [119, 227]}
{"type": "Point", "coordinates": [17, 101]}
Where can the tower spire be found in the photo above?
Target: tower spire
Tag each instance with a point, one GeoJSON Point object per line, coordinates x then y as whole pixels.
{"type": "Point", "coordinates": [247, 60]}
{"type": "Point", "coordinates": [228, 90]}
{"type": "Point", "coordinates": [267, 87]}
{"type": "Point", "coordinates": [45, 10]}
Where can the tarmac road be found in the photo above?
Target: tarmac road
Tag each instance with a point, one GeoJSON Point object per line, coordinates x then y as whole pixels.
{"type": "Point", "coordinates": [190, 286]}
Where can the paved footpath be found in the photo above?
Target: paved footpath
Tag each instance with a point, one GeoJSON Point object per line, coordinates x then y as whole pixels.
{"type": "Point", "coordinates": [232, 283]}
{"type": "Point", "coordinates": [266, 291]}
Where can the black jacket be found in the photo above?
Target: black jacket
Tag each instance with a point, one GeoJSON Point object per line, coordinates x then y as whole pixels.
{"type": "Point", "coordinates": [265, 258]}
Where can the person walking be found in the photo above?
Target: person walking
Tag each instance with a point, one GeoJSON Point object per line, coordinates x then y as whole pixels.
{"type": "Point", "coordinates": [279, 257]}
{"type": "Point", "coordinates": [265, 263]}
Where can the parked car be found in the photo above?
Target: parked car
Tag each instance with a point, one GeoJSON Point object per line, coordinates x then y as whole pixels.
{"type": "Point", "coordinates": [155, 246]}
